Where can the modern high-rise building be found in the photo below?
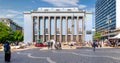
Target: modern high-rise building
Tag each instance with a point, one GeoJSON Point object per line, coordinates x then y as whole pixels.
{"type": "Point", "coordinates": [107, 21]}
{"type": "Point", "coordinates": [57, 23]}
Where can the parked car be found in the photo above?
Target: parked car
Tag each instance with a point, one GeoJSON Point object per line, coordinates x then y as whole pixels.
{"type": "Point", "coordinates": [41, 45]}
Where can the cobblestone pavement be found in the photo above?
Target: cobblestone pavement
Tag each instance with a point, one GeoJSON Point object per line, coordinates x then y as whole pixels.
{"type": "Point", "coordinates": [85, 55]}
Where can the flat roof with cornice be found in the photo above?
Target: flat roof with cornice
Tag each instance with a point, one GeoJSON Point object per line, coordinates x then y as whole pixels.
{"type": "Point", "coordinates": [56, 10]}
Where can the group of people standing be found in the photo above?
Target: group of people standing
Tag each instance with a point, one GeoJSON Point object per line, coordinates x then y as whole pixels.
{"type": "Point", "coordinates": [54, 45]}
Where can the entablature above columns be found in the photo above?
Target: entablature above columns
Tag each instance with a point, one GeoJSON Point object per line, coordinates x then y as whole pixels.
{"type": "Point", "coordinates": [35, 17]}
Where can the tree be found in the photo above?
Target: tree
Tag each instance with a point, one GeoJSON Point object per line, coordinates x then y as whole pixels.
{"type": "Point", "coordinates": [4, 32]}
{"type": "Point", "coordinates": [97, 36]}
{"type": "Point", "coordinates": [17, 35]}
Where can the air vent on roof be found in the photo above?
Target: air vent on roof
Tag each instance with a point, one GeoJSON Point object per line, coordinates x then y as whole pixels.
{"type": "Point", "coordinates": [57, 9]}
{"type": "Point", "coordinates": [69, 10]}
{"type": "Point", "coordinates": [46, 10]}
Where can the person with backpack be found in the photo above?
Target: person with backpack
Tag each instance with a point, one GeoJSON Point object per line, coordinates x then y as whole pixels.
{"type": "Point", "coordinates": [94, 45]}
{"type": "Point", "coordinates": [7, 51]}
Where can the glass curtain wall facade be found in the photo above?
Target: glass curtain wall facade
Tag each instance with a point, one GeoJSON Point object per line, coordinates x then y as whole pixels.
{"type": "Point", "coordinates": [105, 16]}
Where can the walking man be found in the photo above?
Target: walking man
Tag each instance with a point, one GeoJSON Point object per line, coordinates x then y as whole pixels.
{"type": "Point", "coordinates": [7, 52]}
{"type": "Point", "coordinates": [94, 45]}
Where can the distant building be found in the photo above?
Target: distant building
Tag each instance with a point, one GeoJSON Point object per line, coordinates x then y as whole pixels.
{"type": "Point", "coordinates": [60, 24]}
{"type": "Point", "coordinates": [107, 17]}
{"type": "Point", "coordinates": [11, 24]}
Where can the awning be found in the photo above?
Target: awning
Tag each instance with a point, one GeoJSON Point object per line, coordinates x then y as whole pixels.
{"type": "Point", "coordinates": [115, 37]}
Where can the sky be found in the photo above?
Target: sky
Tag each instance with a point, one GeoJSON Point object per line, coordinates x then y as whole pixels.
{"type": "Point", "coordinates": [14, 9]}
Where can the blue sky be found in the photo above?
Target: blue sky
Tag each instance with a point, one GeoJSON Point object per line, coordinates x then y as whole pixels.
{"type": "Point", "coordinates": [14, 8]}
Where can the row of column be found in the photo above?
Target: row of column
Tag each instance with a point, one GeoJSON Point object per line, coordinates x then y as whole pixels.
{"type": "Point", "coordinates": [66, 36]}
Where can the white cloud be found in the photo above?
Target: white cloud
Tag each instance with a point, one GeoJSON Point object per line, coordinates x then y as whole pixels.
{"type": "Point", "coordinates": [82, 6]}
{"type": "Point", "coordinates": [8, 13]}
{"type": "Point", "coordinates": [16, 16]}
{"type": "Point", "coordinates": [13, 11]}
{"type": "Point", "coordinates": [19, 17]}
{"type": "Point", "coordinates": [92, 10]}
{"type": "Point", "coordinates": [65, 3]}
{"type": "Point", "coordinates": [33, 1]}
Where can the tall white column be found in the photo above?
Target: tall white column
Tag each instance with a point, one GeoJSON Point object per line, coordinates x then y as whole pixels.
{"type": "Point", "coordinates": [72, 26]}
{"type": "Point", "coordinates": [77, 29]}
{"type": "Point", "coordinates": [83, 29]}
{"type": "Point", "coordinates": [48, 27]}
{"type": "Point", "coordinates": [43, 27]}
{"type": "Point", "coordinates": [60, 28]}
{"type": "Point", "coordinates": [32, 28]}
{"type": "Point", "coordinates": [66, 37]}
{"type": "Point", "coordinates": [55, 28]}
{"type": "Point", "coordinates": [38, 28]}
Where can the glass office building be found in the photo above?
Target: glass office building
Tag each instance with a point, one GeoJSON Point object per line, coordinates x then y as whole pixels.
{"type": "Point", "coordinates": [106, 17]}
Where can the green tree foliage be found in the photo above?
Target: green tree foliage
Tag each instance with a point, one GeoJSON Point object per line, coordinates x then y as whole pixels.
{"type": "Point", "coordinates": [97, 36]}
{"type": "Point", "coordinates": [17, 35]}
{"type": "Point", "coordinates": [6, 34]}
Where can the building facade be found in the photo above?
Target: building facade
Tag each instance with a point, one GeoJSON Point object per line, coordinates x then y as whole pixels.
{"type": "Point", "coordinates": [107, 19]}
{"type": "Point", "coordinates": [11, 24]}
{"type": "Point", "coordinates": [59, 24]}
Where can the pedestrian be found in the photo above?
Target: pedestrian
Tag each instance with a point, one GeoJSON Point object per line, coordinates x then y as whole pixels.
{"type": "Point", "coordinates": [48, 44]}
{"type": "Point", "coordinates": [60, 46]}
{"type": "Point", "coordinates": [51, 45]}
{"type": "Point", "coordinates": [7, 51]}
{"type": "Point", "coordinates": [116, 43]}
{"type": "Point", "coordinates": [100, 44]}
{"type": "Point", "coordinates": [94, 45]}
{"type": "Point", "coordinates": [56, 46]}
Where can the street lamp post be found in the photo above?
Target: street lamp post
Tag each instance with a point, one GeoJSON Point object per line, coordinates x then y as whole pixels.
{"type": "Point", "coordinates": [108, 22]}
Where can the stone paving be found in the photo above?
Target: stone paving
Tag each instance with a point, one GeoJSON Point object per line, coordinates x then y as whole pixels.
{"type": "Point", "coordinates": [83, 55]}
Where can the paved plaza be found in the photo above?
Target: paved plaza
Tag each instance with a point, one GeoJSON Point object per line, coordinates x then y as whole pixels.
{"type": "Point", "coordinates": [83, 55]}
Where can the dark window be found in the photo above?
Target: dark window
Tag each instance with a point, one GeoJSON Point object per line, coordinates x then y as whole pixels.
{"type": "Point", "coordinates": [88, 32]}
